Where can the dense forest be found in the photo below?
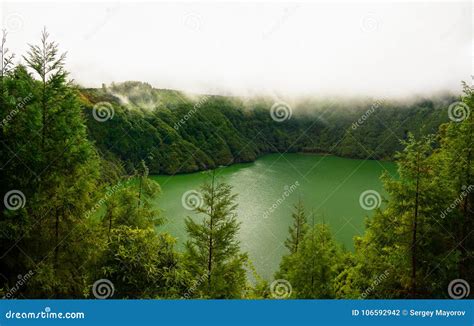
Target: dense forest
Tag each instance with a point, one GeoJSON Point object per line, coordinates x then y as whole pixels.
{"type": "Point", "coordinates": [176, 132]}
{"type": "Point", "coordinates": [68, 152]}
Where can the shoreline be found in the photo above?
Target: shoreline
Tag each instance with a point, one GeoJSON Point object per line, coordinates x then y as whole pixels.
{"type": "Point", "coordinates": [268, 154]}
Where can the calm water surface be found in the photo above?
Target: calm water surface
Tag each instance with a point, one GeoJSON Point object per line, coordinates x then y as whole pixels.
{"type": "Point", "coordinates": [267, 190]}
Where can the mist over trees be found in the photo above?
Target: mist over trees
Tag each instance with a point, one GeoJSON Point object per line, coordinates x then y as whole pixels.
{"type": "Point", "coordinates": [77, 204]}
{"type": "Point", "coordinates": [177, 133]}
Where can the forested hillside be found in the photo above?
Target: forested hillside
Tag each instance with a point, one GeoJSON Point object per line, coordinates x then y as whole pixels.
{"type": "Point", "coordinates": [175, 132]}
{"type": "Point", "coordinates": [61, 153]}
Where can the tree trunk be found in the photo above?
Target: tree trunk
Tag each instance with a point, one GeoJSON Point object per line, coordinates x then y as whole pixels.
{"type": "Point", "coordinates": [140, 192]}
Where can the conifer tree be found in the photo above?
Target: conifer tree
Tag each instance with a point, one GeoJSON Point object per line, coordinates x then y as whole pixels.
{"type": "Point", "coordinates": [456, 159]}
{"type": "Point", "coordinates": [213, 249]}
{"type": "Point", "coordinates": [315, 265]}
{"type": "Point", "coordinates": [299, 228]}
{"type": "Point", "coordinates": [56, 167]}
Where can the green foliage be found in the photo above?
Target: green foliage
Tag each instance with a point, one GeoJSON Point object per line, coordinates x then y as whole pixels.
{"type": "Point", "coordinates": [456, 170]}
{"type": "Point", "coordinates": [51, 161]}
{"type": "Point", "coordinates": [178, 133]}
{"type": "Point", "coordinates": [315, 265]}
{"type": "Point", "coordinates": [421, 240]}
{"type": "Point", "coordinates": [142, 264]}
{"type": "Point", "coordinates": [85, 211]}
{"type": "Point", "coordinates": [139, 262]}
{"type": "Point", "coordinates": [213, 251]}
{"type": "Point", "coordinates": [314, 259]}
{"type": "Point", "coordinates": [298, 230]}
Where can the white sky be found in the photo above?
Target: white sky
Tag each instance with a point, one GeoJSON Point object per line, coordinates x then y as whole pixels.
{"type": "Point", "coordinates": [308, 48]}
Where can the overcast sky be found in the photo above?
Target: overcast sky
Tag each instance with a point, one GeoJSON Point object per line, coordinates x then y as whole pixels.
{"type": "Point", "coordinates": [315, 48]}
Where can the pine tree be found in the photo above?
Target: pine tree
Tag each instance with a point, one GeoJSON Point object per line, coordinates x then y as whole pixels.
{"type": "Point", "coordinates": [456, 157]}
{"type": "Point", "coordinates": [406, 242]}
{"type": "Point", "coordinates": [299, 228]}
{"type": "Point", "coordinates": [57, 172]}
{"type": "Point", "coordinates": [48, 64]}
{"type": "Point", "coordinates": [141, 263]}
{"type": "Point", "coordinates": [213, 250]}
{"type": "Point", "coordinates": [315, 265]}
{"type": "Point", "coordinates": [6, 64]}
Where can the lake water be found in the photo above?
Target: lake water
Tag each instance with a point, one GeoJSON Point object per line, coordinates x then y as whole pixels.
{"type": "Point", "coordinates": [267, 190]}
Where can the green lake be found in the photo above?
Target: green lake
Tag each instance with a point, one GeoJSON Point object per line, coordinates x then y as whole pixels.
{"type": "Point", "coordinates": [267, 190]}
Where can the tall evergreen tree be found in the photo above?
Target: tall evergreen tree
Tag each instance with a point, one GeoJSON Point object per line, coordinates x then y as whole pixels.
{"type": "Point", "coordinates": [213, 250]}
{"type": "Point", "coordinates": [456, 159]}
{"type": "Point", "coordinates": [57, 172]}
{"type": "Point", "coordinates": [299, 228]}
{"type": "Point", "coordinates": [405, 242]}
{"type": "Point", "coordinates": [137, 259]}
{"type": "Point", "coordinates": [315, 265]}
